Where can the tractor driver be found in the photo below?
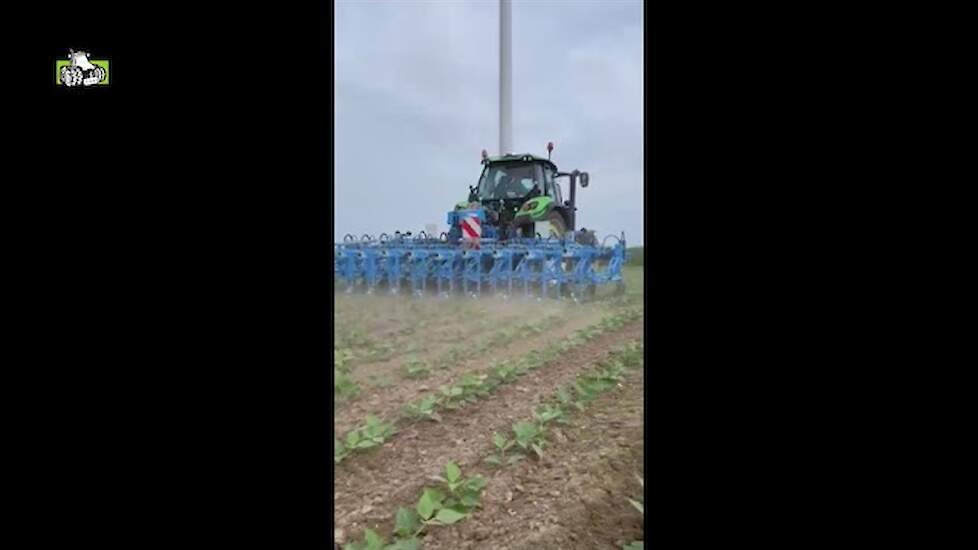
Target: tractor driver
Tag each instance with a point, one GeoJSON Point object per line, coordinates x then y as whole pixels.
{"type": "Point", "coordinates": [511, 185]}
{"type": "Point", "coordinates": [509, 188]}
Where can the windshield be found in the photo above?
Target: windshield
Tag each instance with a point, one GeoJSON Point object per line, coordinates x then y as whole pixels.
{"type": "Point", "coordinates": [509, 180]}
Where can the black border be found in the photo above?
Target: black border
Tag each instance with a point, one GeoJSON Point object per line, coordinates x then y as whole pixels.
{"type": "Point", "coordinates": [169, 300]}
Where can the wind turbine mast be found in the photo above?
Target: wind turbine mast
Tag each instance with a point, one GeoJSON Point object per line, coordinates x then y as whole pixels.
{"type": "Point", "coordinates": [505, 77]}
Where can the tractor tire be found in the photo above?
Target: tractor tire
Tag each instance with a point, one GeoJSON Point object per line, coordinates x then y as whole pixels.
{"type": "Point", "coordinates": [557, 223]}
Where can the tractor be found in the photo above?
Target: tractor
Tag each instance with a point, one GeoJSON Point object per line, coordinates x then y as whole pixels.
{"type": "Point", "coordinates": [521, 198]}
{"type": "Point", "coordinates": [514, 234]}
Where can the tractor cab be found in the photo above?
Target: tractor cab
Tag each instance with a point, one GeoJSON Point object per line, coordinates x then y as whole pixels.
{"type": "Point", "coordinates": [518, 195]}
{"type": "Point", "coordinates": [515, 179]}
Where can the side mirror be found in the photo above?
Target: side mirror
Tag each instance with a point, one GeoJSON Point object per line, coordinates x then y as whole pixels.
{"type": "Point", "coordinates": [584, 179]}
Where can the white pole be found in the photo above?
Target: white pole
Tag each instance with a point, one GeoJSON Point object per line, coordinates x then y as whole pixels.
{"type": "Point", "coordinates": [505, 77]}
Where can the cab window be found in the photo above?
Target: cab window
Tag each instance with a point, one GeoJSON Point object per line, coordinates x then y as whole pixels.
{"type": "Point", "coordinates": [553, 188]}
{"type": "Point", "coordinates": [509, 180]}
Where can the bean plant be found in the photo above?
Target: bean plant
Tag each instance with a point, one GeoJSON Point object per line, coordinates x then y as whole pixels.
{"type": "Point", "coordinates": [370, 435]}
{"type": "Point", "coordinates": [373, 541]}
{"type": "Point", "coordinates": [416, 369]}
{"type": "Point", "coordinates": [453, 501]}
{"type": "Point", "coordinates": [425, 409]}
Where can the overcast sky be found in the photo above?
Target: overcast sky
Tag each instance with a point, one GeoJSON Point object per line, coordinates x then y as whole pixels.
{"type": "Point", "coordinates": [417, 99]}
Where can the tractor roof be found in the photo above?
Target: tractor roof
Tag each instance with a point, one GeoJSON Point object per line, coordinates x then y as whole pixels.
{"type": "Point", "coordinates": [514, 157]}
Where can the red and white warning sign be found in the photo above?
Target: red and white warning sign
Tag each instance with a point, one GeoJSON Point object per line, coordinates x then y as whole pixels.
{"type": "Point", "coordinates": [471, 229]}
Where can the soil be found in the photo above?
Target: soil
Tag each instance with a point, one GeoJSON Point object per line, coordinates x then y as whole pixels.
{"type": "Point", "coordinates": [409, 326]}
{"type": "Point", "coordinates": [576, 498]}
{"type": "Point", "coordinates": [587, 473]}
{"type": "Point", "coordinates": [388, 401]}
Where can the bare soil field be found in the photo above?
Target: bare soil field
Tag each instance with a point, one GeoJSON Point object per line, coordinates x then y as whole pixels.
{"type": "Point", "coordinates": [465, 424]}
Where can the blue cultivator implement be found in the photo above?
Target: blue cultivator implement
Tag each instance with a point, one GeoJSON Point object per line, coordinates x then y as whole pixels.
{"type": "Point", "coordinates": [514, 236]}
{"type": "Point", "coordinates": [531, 267]}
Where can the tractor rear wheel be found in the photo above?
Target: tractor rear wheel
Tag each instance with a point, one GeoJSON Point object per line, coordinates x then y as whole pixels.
{"type": "Point", "coordinates": [557, 223]}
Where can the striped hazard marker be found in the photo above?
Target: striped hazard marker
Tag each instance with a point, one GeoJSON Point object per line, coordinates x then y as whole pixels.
{"type": "Point", "coordinates": [471, 230]}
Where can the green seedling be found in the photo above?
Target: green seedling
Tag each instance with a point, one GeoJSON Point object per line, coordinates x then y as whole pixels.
{"type": "Point", "coordinates": [504, 336]}
{"type": "Point", "coordinates": [343, 385]}
{"type": "Point", "coordinates": [370, 435]}
{"type": "Point", "coordinates": [416, 369]}
{"type": "Point", "coordinates": [341, 358]}
{"type": "Point", "coordinates": [407, 523]}
{"type": "Point", "coordinates": [451, 396]}
{"type": "Point", "coordinates": [502, 445]}
{"type": "Point", "coordinates": [632, 355]}
{"type": "Point", "coordinates": [528, 364]}
{"type": "Point", "coordinates": [534, 359]}
{"type": "Point", "coordinates": [425, 409]}
{"type": "Point", "coordinates": [452, 357]}
{"type": "Point", "coordinates": [373, 541]}
{"type": "Point", "coordinates": [355, 338]}
{"type": "Point", "coordinates": [381, 352]}
{"type": "Point", "coordinates": [432, 510]}
{"type": "Point", "coordinates": [587, 390]}
{"type": "Point", "coordinates": [473, 386]}
{"type": "Point", "coordinates": [590, 333]}
{"type": "Point", "coordinates": [637, 545]}
{"type": "Point", "coordinates": [564, 397]}
{"type": "Point", "coordinates": [463, 494]}
{"type": "Point", "coordinates": [340, 451]}
{"type": "Point", "coordinates": [505, 372]}
{"type": "Point", "coordinates": [555, 351]}
{"type": "Point", "coordinates": [437, 507]}
{"type": "Point", "coordinates": [413, 347]}
{"type": "Point", "coordinates": [376, 431]}
{"type": "Point", "coordinates": [404, 544]}
{"type": "Point", "coordinates": [491, 382]}
{"type": "Point", "coordinates": [613, 372]}
{"type": "Point", "coordinates": [529, 436]}
{"type": "Point", "coordinates": [522, 366]}
{"type": "Point", "coordinates": [547, 413]}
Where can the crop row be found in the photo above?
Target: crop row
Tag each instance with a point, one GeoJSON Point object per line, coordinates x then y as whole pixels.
{"type": "Point", "coordinates": [457, 497]}
{"type": "Point", "coordinates": [409, 338]}
{"type": "Point", "coordinates": [414, 368]}
{"type": "Point", "coordinates": [454, 499]}
{"type": "Point", "coordinates": [477, 384]}
{"type": "Point", "coordinates": [530, 436]}
{"type": "Point", "coordinates": [346, 388]}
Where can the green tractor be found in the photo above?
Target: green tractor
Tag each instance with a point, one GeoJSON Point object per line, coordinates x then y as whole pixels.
{"type": "Point", "coordinates": [515, 234]}
{"type": "Point", "coordinates": [521, 198]}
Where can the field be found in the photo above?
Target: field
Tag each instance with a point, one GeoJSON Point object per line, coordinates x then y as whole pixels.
{"type": "Point", "coordinates": [508, 425]}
